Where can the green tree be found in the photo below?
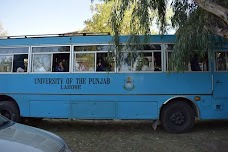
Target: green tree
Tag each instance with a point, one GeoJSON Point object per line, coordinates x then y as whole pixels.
{"type": "Point", "coordinates": [199, 23]}
{"type": "Point", "coordinates": [100, 21]}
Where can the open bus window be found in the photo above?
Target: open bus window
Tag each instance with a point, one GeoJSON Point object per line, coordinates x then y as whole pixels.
{"type": "Point", "coordinates": [6, 63]}
{"type": "Point", "coordinates": [199, 63]}
{"type": "Point", "coordinates": [84, 62]}
{"type": "Point", "coordinates": [157, 61]}
{"type": "Point", "coordinates": [143, 62]}
{"type": "Point", "coordinates": [221, 61]}
{"type": "Point", "coordinates": [105, 62]}
{"type": "Point", "coordinates": [60, 62]}
{"type": "Point", "coordinates": [20, 63]}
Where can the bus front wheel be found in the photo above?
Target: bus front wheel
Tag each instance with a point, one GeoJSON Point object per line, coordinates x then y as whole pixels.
{"type": "Point", "coordinates": [177, 117]}
{"type": "Point", "coordinates": [9, 110]}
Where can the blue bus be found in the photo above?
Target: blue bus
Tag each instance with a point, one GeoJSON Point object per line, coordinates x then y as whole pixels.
{"type": "Point", "coordinates": [77, 76]}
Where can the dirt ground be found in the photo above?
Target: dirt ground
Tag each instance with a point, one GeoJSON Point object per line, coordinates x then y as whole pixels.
{"type": "Point", "coordinates": [136, 136]}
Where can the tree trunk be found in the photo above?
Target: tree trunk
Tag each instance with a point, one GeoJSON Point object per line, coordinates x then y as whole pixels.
{"type": "Point", "coordinates": [219, 11]}
{"type": "Point", "coordinates": [214, 8]}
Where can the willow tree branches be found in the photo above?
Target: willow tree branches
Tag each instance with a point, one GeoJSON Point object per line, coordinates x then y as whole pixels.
{"type": "Point", "coordinates": [198, 22]}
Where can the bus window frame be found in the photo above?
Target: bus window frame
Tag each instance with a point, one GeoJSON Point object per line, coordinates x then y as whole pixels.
{"type": "Point", "coordinates": [146, 51]}
{"type": "Point", "coordinates": [74, 60]}
{"type": "Point", "coordinates": [47, 53]}
{"type": "Point", "coordinates": [95, 61]}
{"type": "Point", "coordinates": [215, 60]}
{"type": "Point", "coordinates": [11, 69]}
{"type": "Point", "coordinates": [16, 53]}
{"type": "Point", "coordinates": [189, 68]}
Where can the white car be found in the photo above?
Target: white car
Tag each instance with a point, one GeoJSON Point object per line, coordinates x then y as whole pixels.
{"type": "Point", "coordinates": [15, 137]}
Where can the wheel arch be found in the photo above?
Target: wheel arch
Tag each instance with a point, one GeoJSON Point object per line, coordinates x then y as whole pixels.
{"type": "Point", "coordinates": [183, 99]}
{"type": "Point", "coordinates": [9, 99]}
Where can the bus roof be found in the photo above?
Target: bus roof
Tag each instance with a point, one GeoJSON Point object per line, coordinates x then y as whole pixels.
{"type": "Point", "coordinates": [76, 38]}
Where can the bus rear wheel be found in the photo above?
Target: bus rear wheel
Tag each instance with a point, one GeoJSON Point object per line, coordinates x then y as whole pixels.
{"type": "Point", "coordinates": [177, 117]}
{"type": "Point", "coordinates": [9, 110]}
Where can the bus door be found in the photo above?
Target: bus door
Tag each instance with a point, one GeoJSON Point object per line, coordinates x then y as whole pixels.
{"type": "Point", "coordinates": [221, 75]}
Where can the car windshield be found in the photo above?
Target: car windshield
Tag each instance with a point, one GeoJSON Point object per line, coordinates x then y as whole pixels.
{"type": "Point", "coordinates": [3, 120]}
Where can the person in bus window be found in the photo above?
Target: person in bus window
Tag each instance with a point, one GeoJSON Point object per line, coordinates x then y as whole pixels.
{"type": "Point", "coordinates": [145, 66]}
{"type": "Point", "coordinates": [100, 66]}
{"type": "Point", "coordinates": [195, 63]}
{"type": "Point", "coordinates": [65, 65]}
{"type": "Point", "coordinates": [221, 62]}
{"type": "Point", "coordinates": [59, 67]}
{"type": "Point", "coordinates": [22, 68]}
{"type": "Point", "coordinates": [81, 67]}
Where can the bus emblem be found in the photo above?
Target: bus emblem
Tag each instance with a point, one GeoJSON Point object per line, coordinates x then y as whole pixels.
{"type": "Point", "coordinates": [129, 84]}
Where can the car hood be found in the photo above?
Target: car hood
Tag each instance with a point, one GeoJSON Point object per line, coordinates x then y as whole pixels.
{"type": "Point", "coordinates": [22, 138]}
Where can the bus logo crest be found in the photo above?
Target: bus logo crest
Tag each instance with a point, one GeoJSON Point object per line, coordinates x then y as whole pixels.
{"type": "Point", "coordinates": [129, 84]}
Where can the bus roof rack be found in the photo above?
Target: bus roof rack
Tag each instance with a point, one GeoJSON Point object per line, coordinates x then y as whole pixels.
{"type": "Point", "coordinates": [85, 33]}
{"type": "Point", "coordinates": [56, 35]}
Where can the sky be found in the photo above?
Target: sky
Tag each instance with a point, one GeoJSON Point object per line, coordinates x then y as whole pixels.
{"type": "Point", "coordinates": [33, 17]}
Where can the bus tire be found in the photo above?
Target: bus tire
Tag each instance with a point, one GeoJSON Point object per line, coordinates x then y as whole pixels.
{"type": "Point", "coordinates": [10, 111]}
{"type": "Point", "coordinates": [177, 117]}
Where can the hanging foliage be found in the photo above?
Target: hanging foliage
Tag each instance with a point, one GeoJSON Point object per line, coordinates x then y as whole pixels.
{"type": "Point", "coordinates": [198, 22]}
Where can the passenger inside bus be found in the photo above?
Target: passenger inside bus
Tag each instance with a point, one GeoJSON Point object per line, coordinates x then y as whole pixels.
{"type": "Point", "coordinates": [59, 67]}
{"type": "Point", "coordinates": [145, 66]}
{"type": "Point", "coordinates": [80, 66]}
{"type": "Point", "coordinates": [20, 69]}
{"type": "Point", "coordinates": [20, 63]}
{"type": "Point", "coordinates": [221, 61]}
{"type": "Point", "coordinates": [103, 63]}
{"type": "Point", "coordinates": [100, 66]}
{"type": "Point", "coordinates": [195, 63]}
{"type": "Point", "coordinates": [60, 62]}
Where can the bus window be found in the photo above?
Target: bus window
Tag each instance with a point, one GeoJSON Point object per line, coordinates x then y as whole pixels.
{"type": "Point", "coordinates": [221, 61]}
{"type": "Point", "coordinates": [105, 62]}
{"type": "Point", "coordinates": [93, 58]}
{"type": "Point", "coordinates": [203, 62]}
{"type": "Point", "coordinates": [60, 62]}
{"type": "Point", "coordinates": [148, 59]}
{"type": "Point", "coordinates": [196, 63]}
{"type": "Point", "coordinates": [84, 62]}
{"type": "Point", "coordinates": [157, 61]}
{"type": "Point", "coordinates": [6, 63]}
{"type": "Point", "coordinates": [143, 62]}
{"type": "Point", "coordinates": [152, 47]}
{"type": "Point", "coordinates": [46, 59]}
{"type": "Point", "coordinates": [125, 61]}
{"type": "Point", "coordinates": [41, 63]}
{"type": "Point", "coordinates": [12, 58]}
{"type": "Point", "coordinates": [199, 63]}
{"type": "Point", "coordinates": [20, 63]}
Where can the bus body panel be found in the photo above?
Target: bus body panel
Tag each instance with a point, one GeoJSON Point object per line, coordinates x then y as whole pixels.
{"type": "Point", "coordinates": [111, 106]}
{"type": "Point", "coordinates": [108, 83]}
{"type": "Point", "coordinates": [221, 85]}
